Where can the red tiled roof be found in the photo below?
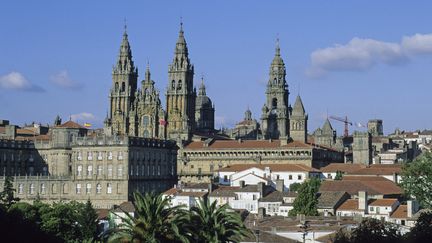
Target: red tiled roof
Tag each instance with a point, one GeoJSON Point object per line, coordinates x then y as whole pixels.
{"type": "Point", "coordinates": [378, 169]}
{"type": "Point", "coordinates": [333, 167]}
{"type": "Point", "coordinates": [273, 167]}
{"type": "Point", "coordinates": [350, 204]}
{"type": "Point", "coordinates": [371, 187]}
{"type": "Point", "coordinates": [71, 124]}
{"type": "Point", "coordinates": [246, 144]}
{"type": "Point", "coordinates": [383, 202]}
{"type": "Point", "coordinates": [192, 194]}
{"type": "Point", "coordinates": [363, 178]}
{"type": "Point", "coordinates": [171, 191]}
{"type": "Point", "coordinates": [401, 212]}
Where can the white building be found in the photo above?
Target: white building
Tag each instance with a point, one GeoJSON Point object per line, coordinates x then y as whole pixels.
{"type": "Point", "coordinates": [252, 174]}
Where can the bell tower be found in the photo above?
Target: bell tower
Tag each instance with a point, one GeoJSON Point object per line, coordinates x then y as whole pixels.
{"type": "Point", "coordinates": [124, 86]}
{"type": "Point", "coordinates": [180, 95]}
{"type": "Point", "coordinates": [275, 112]}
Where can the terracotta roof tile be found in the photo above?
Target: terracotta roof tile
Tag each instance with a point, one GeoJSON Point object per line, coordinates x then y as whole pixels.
{"type": "Point", "coordinates": [333, 167]}
{"type": "Point", "coordinates": [371, 187]}
{"type": "Point", "coordinates": [379, 169]}
{"type": "Point", "coordinates": [224, 191]}
{"type": "Point", "coordinates": [350, 204]}
{"type": "Point", "coordinates": [171, 191]}
{"type": "Point", "coordinates": [71, 124]}
{"type": "Point", "coordinates": [363, 178]}
{"type": "Point", "coordinates": [383, 202]}
{"type": "Point", "coordinates": [401, 212]}
{"type": "Point", "coordinates": [273, 167]}
{"type": "Point", "coordinates": [192, 194]}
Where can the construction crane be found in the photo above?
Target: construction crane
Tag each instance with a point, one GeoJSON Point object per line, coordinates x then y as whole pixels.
{"type": "Point", "coordinates": [345, 121]}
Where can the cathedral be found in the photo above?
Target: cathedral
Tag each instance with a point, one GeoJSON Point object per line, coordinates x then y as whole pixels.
{"type": "Point", "coordinates": [138, 111]}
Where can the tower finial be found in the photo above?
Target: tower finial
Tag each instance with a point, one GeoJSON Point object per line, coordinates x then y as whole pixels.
{"type": "Point", "coordinates": [181, 23]}
{"type": "Point", "coordinates": [277, 46]}
{"type": "Point", "coordinates": [125, 26]}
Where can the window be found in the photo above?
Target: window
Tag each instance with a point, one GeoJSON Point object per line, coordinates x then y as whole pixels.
{"type": "Point", "coordinates": [173, 84]}
{"type": "Point", "coordinates": [120, 171]}
{"type": "Point", "coordinates": [109, 188]}
{"type": "Point", "coordinates": [110, 155]}
{"type": "Point", "coordinates": [371, 209]}
{"type": "Point", "coordinates": [290, 177]}
{"type": "Point", "coordinates": [98, 188]}
{"type": "Point", "coordinates": [99, 170]}
{"type": "Point", "coordinates": [89, 170]}
{"type": "Point", "coordinates": [88, 188]}
{"type": "Point", "coordinates": [299, 177]}
{"type": "Point", "coordinates": [131, 170]}
{"type": "Point", "coordinates": [32, 188]}
{"type": "Point", "coordinates": [329, 176]}
{"type": "Point", "coordinates": [120, 155]}
{"type": "Point", "coordinates": [110, 170]}
{"type": "Point", "coordinates": [89, 155]}
{"type": "Point", "coordinates": [42, 189]}
{"type": "Point", "coordinates": [225, 178]}
{"type": "Point", "coordinates": [99, 157]}
{"type": "Point", "coordinates": [20, 188]}
{"type": "Point", "coordinates": [146, 134]}
{"type": "Point", "coordinates": [79, 170]}
{"type": "Point", "coordinates": [79, 155]}
{"type": "Point", "coordinates": [78, 188]}
{"type": "Point", "coordinates": [146, 121]}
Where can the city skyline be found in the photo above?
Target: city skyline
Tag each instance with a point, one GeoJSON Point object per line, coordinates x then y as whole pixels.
{"type": "Point", "coordinates": [67, 69]}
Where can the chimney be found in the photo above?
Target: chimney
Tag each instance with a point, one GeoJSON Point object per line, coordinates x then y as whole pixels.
{"type": "Point", "coordinates": [362, 201]}
{"type": "Point", "coordinates": [395, 178]}
{"type": "Point", "coordinates": [412, 208]}
{"type": "Point", "coordinates": [280, 185]}
{"type": "Point", "coordinates": [261, 213]}
{"type": "Point", "coordinates": [260, 188]}
{"type": "Point", "coordinates": [210, 187]}
{"type": "Point", "coordinates": [242, 184]}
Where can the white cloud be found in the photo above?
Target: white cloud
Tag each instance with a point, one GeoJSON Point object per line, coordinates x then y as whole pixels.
{"type": "Point", "coordinates": [17, 81]}
{"type": "Point", "coordinates": [83, 116]}
{"type": "Point", "coordinates": [63, 80]}
{"type": "Point", "coordinates": [418, 44]}
{"type": "Point", "coordinates": [362, 54]}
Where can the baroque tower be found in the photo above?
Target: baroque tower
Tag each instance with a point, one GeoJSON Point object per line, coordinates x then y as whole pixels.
{"type": "Point", "coordinates": [124, 86]}
{"type": "Point", "coordinates": [298, 121]}
{"type": "Point", "coordinates": [204, 111]}
{"type": "Point", "coordinates": [180, 93]}
{"type": "Point", "coordinates": [275, 113]}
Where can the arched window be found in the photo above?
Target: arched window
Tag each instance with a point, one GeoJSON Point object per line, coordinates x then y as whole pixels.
{"type": "Point", "coordinates": [79, 170]}
{"type": "Point", "coordinates": [20, 188]}
{"type": "Point", "coordinates": [99, 170]}
{"type": "Point", "coordinates": [116, 86]}
{"type": "Point", "coordinates": [123, 87]}
{"type": "Point", "coordinates": [78, 188]}
{"type": "Point", "coordinates": [88, 188]}
{"type": "Point", "coordinates": [274, 103]}
{"type": "Point", "coordinates": [89, 170]}
{"type": "Point", "coordinates": [146, 121]}
{"type": "Point", "coordinates": [32, 188]}
{"type": "Point", "coordinates": [173, 84]}
{"type": "Point", "coordinates": [146, 134]}
{"type": "Point", "coordinates": [179, 86]}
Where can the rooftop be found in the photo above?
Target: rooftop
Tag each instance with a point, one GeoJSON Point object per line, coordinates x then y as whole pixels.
{"type": "Point", "coordinates": [246, 144]}
{"type": "Point", "coordinates": [272, 167]}
{"type": "Point", "coordinates": [371, 187]}
{"type": "Point", "coordinates": [383, 202]}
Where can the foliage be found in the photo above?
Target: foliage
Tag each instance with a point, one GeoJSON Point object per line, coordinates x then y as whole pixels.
{"type": "Point", "coordinates": [417, 179]}
{"type": "Point", "coordinates": [210, 223]}
{"type": "Point", "coordinates": [369, 230]}
{"type": "Point", "coordinates": [339, 175]}
{"type": "Point", "coordinates": [7, 195]}
{"type": "Point", "coordinates": [294, 187]}
{"type": "Point", "coordinates": [154, 221]}
{"type": "Point", "coordinates": [88, 221]}
{"type": "Point", "coordinates": [306, 201]}
{"type": "Point", "coordinates": [25, 211]}
{"type": "Point", "coordinates": [422, 231]}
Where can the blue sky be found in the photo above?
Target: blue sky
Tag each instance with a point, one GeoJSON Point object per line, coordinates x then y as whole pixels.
{"type": "Point", "coordinates": [362, 59]}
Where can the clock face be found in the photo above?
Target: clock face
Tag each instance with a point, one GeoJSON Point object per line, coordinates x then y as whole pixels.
{"type": "Point", "coordinates": [273, 111]}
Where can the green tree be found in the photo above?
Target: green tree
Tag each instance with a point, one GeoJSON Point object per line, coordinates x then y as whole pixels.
{"type": "Point", "coordinates": [88, 221]}
{"type": "Point", "coordinates": [154, 221]}
{"type": "Point", "coordinates": [24, 210]}
{"type": "Point", "coordinates": [422, 231]}
{"type": "Point", "coordinates": [7, 197]}
{"type": "Point", "coordinates": [339, 175]}
{"type": "Point", "coordinates": [370, 230]}
{"type": "Point", "coordinates": [417, 179]}
{"type": "Point", "coordinates": [306, 201]}
{"type": "Point", "coordinates": [294, 187]}
{"type": "Point", "coordinates": [210, 223]}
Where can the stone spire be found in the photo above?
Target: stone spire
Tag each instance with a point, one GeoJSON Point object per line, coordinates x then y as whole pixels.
{"type": "Point", "coordinates": [202, 88]}
{"type": "Point", "coordinates": [147, 73]}
{"type": "Point", "coordinates": [248, 115]}
{"type": "Point", "coordinates": [125, 63]}
{"type": "Point", "coordinates": [327, 127]}
{"type": "Point", "coordinates": [181, 46]}
{"type": "Point", "coordinates": [298, 109]}
{"type": "Point", "coordinates": [278, 66]}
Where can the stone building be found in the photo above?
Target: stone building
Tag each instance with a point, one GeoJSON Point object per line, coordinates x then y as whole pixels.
{"type": "Point", "coordinates": [133, 111]}
{"type": "Point", "coordinates": [246, 129]}
{"type": "Point", "coordinates": [325, 136]}
{"type": "Point", "coordinates": [275, 112]}
{"type": "Point", "coordinates": [204, 111]}
{"type": "Point", "coordinates": [362, 148]}
{"type": "Point", "coordinates": [68, 165]}
{"type": "Point", "coordinates": [298, 122]}
{"type": "Point", "coordinates": [199, 160]}
{"type": "Point", "coordinates": [375, 127]}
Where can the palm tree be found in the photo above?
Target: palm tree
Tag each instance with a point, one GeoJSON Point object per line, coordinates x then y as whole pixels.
{"type": "Point", "coordinates": [210, 223]}
{"type": "Point", "coordinates": [154, 221]}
